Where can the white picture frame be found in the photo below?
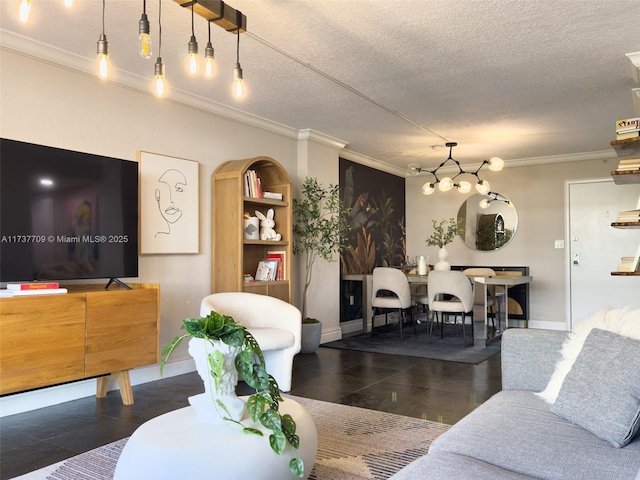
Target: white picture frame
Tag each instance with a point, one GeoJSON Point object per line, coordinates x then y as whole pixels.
{"type": "Point", "coordinates": [169, 201]}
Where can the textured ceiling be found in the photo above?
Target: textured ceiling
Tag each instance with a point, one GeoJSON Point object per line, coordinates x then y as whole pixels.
{"type": "Point", "coordinates": [514, 79]}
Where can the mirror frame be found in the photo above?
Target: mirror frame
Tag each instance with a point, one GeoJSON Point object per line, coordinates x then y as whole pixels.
{"type": "Point", "coordinates": [487, 229]}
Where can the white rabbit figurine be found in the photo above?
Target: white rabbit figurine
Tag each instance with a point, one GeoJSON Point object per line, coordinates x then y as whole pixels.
{"type": "Point", "coordinates": [267, 223]}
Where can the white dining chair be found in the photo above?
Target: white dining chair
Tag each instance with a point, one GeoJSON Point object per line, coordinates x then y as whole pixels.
{"type": "Point", "coordinates": [390, 291]}
{"type": "Point", "coordinates": [450, 292]}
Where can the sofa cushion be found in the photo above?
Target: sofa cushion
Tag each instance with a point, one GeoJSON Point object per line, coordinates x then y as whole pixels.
{"type": "Point", "coordinates": [448, 466]}
{"type": "Point", "coordinates": [516, 430]}
{"type": "Point", "coordinates": [623, 321]}
{"type": "Point", "coordinates": [602, 391]}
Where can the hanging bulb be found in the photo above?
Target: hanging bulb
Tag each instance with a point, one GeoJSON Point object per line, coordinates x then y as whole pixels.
{"type": "Point", "coordinates": [496, 164]}
{"type": "Point", "coordinates": [209, 65]}
{"type": "Point", "coordinates": [103, 56]}
{"type": "Point", "coordinates": [144, 37]}
{"type": "Point", "coordinates": [238, 82]}
{"type": "Point", "coordinates": [446, 184]}
{"type": "Point", "coordinates": [68, 3]}
{"type": "Point", "coordinates": [484, 203]}
{"type": "Point", "coordinates": [464, 187]}
{"type": "Point", "coordinates": [25, 9]}
{"type": "Point", "coordinates": [159, 77]}
{"type": "Point", "coordinates": [483, 186]}
{"type": "Point", "coordinates": [428, 188]}
{"type": "Point", "coordinates": [193, 55]}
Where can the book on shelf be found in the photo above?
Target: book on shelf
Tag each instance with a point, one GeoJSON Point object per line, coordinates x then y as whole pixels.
{"type": "Point", "coordinates": [628, 124]}
{"type": "Point", "coordinates": [626, 264]}
{"type": "Point", "coordinates": [25, 293]}
{"type": "Point", "coordinates": [635, 133]}
{"type": "Point", "coordinates": [252, 184]}
{"type": "Point", "coordinates": [281, 257]}
{"type": "Point", "coordinates": [267, 270]}
{"type": "Point", "coordinates": [272, 195]}
{"type": "Point", "coordinates": [628, 164]}
{"type": "Point", "coordinates": [32, 286]}
{"type": "Point", "coordinates": [629, 216]}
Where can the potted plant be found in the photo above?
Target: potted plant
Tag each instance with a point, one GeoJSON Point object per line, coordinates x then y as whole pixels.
{"type": "Point", "coordinates": [311, 334]}
{"type": "Point", "coordinates": [219, 332]}
{"type": "Point", "coordinates": [320, 228]}
{"type": "Point", "coordinates": [443, 233]}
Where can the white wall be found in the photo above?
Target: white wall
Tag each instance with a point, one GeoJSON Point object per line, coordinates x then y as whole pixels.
{"type": "Point", "coordinates": [537, 192]}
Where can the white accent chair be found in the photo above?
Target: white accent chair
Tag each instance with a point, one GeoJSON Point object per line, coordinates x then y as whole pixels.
{"type": "Point", "coordinates": [275, 324]}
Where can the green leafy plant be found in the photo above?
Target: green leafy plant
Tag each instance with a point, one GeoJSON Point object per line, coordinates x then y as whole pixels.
{"type": "Point", "coordinates": [320, 227]}
{"type": "Point", "coordinates": [262, 406]}
{"type": "Point", "coordinates": [443, 232]}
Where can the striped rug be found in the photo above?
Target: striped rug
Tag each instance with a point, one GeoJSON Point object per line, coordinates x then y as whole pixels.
{"type": "Point", "coordinates": [353, 443]}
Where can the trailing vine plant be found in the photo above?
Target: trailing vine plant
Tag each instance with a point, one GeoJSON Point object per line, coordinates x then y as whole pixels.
{"type": "Point", "coordinates": [263, 405]}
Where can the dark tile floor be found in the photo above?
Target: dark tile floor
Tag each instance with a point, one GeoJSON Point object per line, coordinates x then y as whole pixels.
{"type": "Point", "coordinates": [431, 389]}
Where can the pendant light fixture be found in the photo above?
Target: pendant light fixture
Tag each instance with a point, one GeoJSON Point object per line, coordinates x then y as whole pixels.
{"type": "Point", "coordinates": [209, 65]}
{"type": "Point", "coordinates": [159, 67]}
{"type": "Point", "coordinates": [144, 36]}
{"type": "Point", "coordinates": [238, 82]}
{"type": "Point", "coordinates": [193, 47]}
{"type": "Point", "coordinates": [103, 50]}
{"type": "Point", "coordinates": [25, 9]}
{"type": "Point", "coordinates": [445, 184]}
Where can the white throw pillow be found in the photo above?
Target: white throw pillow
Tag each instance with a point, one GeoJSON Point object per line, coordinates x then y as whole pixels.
{"type": "Point", "coordinates": [624, 322]}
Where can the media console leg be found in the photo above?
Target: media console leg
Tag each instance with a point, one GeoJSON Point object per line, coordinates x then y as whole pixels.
{"type": "Point", "coordinates": [124, 384]}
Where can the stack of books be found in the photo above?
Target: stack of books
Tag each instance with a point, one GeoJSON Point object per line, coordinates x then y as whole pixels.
{"type": "Point", "coordinates": [630, 264]}
{"type": "Point", "coordinates": [252, 184]}
{"type": "Point", "coordinates": [272, 267]}
{"type": "Point", "coordinates": [35, 288]}
{"type": "Point", "coordinates": [628, 128]}
{"type": "Point", "coordinates": [629, 216]}
{"type": "Point", "coordinates": [628, 165]}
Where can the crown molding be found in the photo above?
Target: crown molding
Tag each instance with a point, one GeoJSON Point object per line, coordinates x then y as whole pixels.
{"type": "Point", "coordinates": [43, 52]}
{"type": "Point", "coordinates": [308, 134]}
{"type": "Point", "coordinates": [373, 163]}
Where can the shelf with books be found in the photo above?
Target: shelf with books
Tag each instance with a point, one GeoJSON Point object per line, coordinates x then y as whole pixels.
{"type": "Point", "coordinates": [628, 172]}
{"type": "Point", "coordinates": [233, 256]}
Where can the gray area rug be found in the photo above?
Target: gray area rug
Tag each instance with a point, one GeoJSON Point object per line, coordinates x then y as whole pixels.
{"type": "Point", "coordinates": [353, 443]}
{"type": "Point", "coordinates": [450, 348]}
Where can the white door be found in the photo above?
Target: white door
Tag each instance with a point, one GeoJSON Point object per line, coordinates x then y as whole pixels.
{"type": "Point", "coordinates": [595, 247]}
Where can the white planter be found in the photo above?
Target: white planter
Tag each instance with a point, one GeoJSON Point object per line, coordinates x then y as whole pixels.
{"type": "Point", "coordinates": [442, 263]}
{"type": "Point", "coordinates": [206, 404]}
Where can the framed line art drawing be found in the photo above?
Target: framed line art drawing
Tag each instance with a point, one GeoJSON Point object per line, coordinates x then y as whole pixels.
{"type": "Point", "coordinates": [168, 204]}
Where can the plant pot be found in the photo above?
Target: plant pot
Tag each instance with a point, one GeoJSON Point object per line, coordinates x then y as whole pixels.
{"type": "Point", "coordinates": [311, 334]}
{"type": "Point", "coordinates": [442, 264]}
{"type": "Point", "coordinates": [206, 404]}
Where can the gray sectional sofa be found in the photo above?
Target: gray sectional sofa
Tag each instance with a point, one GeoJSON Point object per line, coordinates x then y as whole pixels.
{"type": "Point", "coordinates": [515, 435]}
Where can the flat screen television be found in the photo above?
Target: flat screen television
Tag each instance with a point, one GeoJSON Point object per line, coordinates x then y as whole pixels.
{"type": "Point", "coordinates": [66, 215]}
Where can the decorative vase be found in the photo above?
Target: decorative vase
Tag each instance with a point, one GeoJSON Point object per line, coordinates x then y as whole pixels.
{"type": "Point", "coordinates": [311, 335]}
{"type": "Point", "coordinates": [442, 263]}
{"type": "Point", "coordinates": [206, 404]}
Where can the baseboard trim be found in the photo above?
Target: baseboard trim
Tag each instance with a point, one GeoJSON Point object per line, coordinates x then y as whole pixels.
{"type": "Point", "coordinates": [331, 335]}
{"type": "Point", "coordinates": [45, 397]}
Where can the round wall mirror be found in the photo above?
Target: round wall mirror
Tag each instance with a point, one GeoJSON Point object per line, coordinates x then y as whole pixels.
{"type": "Point", "coordinates": [488, 221]}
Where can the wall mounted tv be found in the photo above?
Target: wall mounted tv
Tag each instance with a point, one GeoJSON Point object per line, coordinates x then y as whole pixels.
{"type": "Point", "coordinates": [66, 215]}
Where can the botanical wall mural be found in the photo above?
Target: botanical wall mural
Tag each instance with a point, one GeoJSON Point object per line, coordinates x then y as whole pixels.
{"type": "Point", "coordinates": [378, 234]}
